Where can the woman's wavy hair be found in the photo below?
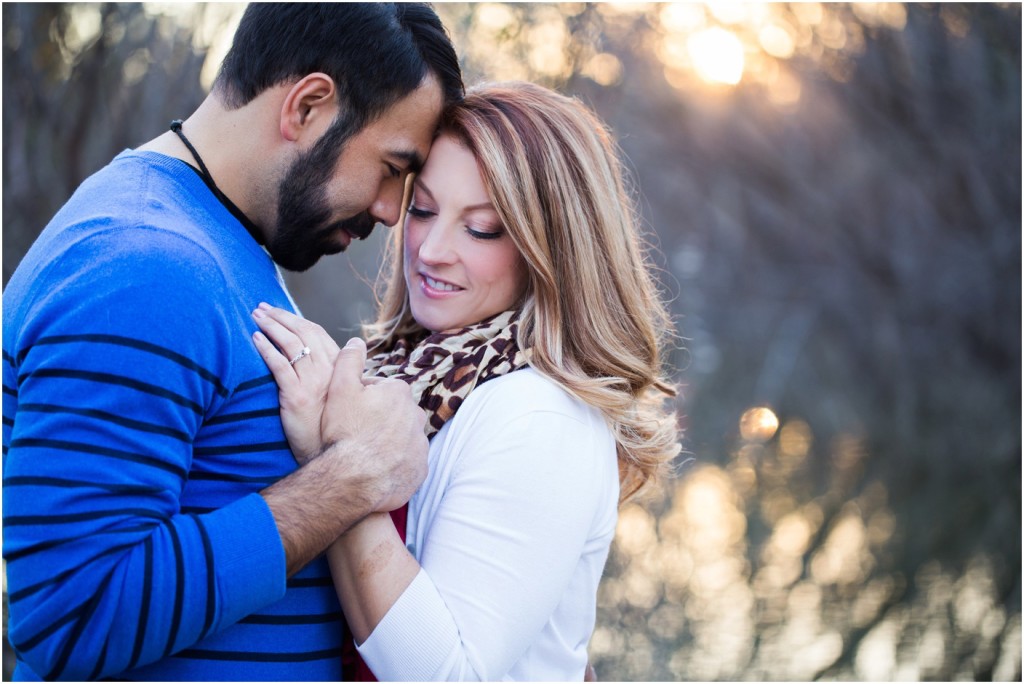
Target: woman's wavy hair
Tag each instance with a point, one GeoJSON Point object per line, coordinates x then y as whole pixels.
{"type": "Point", "coordinates": [591, 316]}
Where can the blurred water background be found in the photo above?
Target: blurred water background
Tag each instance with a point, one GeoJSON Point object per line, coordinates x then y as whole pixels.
{"type": "Point", "coordinates": [833, 194]}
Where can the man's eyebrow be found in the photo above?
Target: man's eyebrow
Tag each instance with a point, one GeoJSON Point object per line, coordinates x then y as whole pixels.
{"type": "Point", "coordinates": [413, 160]}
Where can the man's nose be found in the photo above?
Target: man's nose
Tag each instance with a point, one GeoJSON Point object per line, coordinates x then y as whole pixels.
{"type": "Point", "coordinates": [387, 208]}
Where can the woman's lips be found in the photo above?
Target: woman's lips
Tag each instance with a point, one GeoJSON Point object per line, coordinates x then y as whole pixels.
{"type": "Point", "coordinates": [436, 287]}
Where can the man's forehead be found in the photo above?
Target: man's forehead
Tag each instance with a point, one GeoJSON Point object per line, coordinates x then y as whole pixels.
{"type": "Point", "coordinates": [404, 131]}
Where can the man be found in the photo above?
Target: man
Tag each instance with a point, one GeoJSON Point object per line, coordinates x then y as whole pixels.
{"type": "Point", "coordinates": [155, 524]}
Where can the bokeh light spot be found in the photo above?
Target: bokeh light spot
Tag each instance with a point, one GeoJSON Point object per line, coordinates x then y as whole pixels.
{"type": "Point", "coordinates": [682, 17]}
{"type": "Point", "coordinates": [776, 41]}
{"type": "Point", "coordinates": [758, 424]}
{"type": "Point", "coordinates": [494, 16]}
{"type": "Point", "coordinates": [794, 441]}
{"type": "Point", "coordinates": [890, 14]}
{"type": "Point", "coordinates": [604, 69]}
{"type": "Point", "coordinates": [717, 55]}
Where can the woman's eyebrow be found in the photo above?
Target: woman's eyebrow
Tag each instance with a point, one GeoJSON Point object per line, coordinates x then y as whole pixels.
{"type": "Point", "coordinates": [422, 187]}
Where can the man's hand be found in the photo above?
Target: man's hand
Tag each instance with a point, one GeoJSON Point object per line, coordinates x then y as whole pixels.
{"type": "Point", "coordinates": [374, 458]}
{"type": "Point", "coordinates": [378, 423]}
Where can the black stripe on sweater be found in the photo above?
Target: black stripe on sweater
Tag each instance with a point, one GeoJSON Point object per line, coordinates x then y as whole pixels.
{"type": "Point", "coordinates": [179, 590]}
{"type": "Point", "coordinates": [112, 379]}
{"type": "Point", "coordinates": [118, 340]}
{"type": "Point", "coordinates": [70, 616]}
{"type": "Point", "coordinates": [309, 582]}
{"type": "Point", "coordinates": [100, 663]}
{"type": "Point", "coordinates": [69, 518]}
{"type": "Point", "coordinates": [313, 619]}
{"type": "Point", "coordinates": [147, 591]}
{"type": "Point", "coordinates": [227, 450]}
{"type": "Point", "coordinates": [40, 636]}
{"type": "Point", "coordinates": [211, 580]}
{"type": "Point", "coordinates": [107, 417]}
{"type": "Point", "coordinates": [244, 416]}
{"type": "Point", "coordinates": [87, 612]}
{"type": "Point", "coordinates": [198, 510]}
{"type": "Point", "coordinates": [44, 481]}
{"type": "Point", "coordinates": [199, 475]}
{"type": "Point", "coordinates": [16, 596]}
{"type": "Point", "coordinates": [12, 556]}
{"type": "Point", "coordinates": [82, 447]}
{"type": "Point", "coordinates": [260, 656]}
{"type": "Point", "coordinates": [254, 383]}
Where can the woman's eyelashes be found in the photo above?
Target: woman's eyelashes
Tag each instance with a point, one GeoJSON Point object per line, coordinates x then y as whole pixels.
{"type": "Point", "coordinates": [422, 214]}
{"type": "Point", "coordinates": [485, 234]}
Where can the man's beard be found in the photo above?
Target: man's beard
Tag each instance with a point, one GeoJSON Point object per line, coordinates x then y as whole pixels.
{"type": "Point", "coordinates": [304, 232]}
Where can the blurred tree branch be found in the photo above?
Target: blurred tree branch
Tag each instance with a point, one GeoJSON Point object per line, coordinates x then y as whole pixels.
{"type": "Point", "coordinates": [70, 107]}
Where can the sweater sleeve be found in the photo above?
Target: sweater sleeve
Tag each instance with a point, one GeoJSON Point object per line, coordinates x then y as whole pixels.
{"type": "Point", "coordinates": [503, 546]}
{"type": "Point", "coordinates": [119, 351]}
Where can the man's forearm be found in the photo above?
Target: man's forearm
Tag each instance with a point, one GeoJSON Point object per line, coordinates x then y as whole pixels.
{"type": "Point", "coordinates": [315, 505]}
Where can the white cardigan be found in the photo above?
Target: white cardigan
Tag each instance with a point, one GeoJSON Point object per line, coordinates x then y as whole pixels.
{"type": "Point", "coordinates": [512, 529]}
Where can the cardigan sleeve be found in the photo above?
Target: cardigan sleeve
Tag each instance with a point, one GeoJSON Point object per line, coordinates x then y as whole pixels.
{"type": "Point", "coordinates": [527, 485]}
{"type": "Point", "coordinates": [116, 354]}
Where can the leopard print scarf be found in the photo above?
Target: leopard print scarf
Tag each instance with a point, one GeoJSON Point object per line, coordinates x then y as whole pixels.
{"type": "Point", "coordinates": [444, 367]}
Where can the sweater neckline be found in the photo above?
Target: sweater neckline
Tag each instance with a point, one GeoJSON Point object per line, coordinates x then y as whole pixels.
{"type": "Point", "coordinates": [232, 208]}
{"type": "Point", "coordinates": [194, 183]}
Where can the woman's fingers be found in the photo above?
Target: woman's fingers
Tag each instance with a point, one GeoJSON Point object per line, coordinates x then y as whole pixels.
{"type": "Point", "coordinates": [285, 318]}
{"type": "Point", "coordinates": [291, 333]}
{"type": "Point", "coordinates": [286, 340]}
{"type": "Point", "coordinates": [279, 366]}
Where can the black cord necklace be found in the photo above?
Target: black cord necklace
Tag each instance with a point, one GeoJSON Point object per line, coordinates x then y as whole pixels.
{"type": "Point", "coordinates": [204, 173]}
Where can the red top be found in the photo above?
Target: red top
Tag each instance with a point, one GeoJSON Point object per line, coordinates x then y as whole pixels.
{"type": "Point", "coordinates": [352, 664]}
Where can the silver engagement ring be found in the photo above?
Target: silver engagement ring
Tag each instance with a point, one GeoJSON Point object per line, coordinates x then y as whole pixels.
{"type": "Point", "coordinates": [301, 355]}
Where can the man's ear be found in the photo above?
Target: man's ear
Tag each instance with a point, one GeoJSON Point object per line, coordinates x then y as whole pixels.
{"type": "Point", "coordinates": [310, 105]}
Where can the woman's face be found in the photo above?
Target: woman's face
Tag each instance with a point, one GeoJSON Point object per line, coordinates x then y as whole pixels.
{"type": "Point", "coordinates": [460, 265]}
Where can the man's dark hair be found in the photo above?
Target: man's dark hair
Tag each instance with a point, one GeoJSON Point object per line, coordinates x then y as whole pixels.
{"type": "Point", "coordinates": [377, 53]}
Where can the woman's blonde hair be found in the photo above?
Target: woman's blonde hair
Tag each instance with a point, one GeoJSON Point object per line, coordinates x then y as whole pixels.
{"type": "Point", "coordinates": [591, 316]}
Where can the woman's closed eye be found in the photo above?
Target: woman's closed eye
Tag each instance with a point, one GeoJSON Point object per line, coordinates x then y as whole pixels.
{"type": "Point", "coordinates": [420, 212]}
{"type": "Point", "coordinates": [488, 234]}
{"type": "Point", "coordinates": [423, 213]}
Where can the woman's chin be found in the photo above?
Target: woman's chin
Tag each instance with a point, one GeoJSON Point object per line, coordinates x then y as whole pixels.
{"type": "Point", "coordinates": [433, 323]}
{"type": "Point", "coordinates": [425, 322]}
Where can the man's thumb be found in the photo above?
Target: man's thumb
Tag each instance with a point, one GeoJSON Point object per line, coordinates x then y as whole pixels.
{"type": "Point", "coordinates": [348, 367]}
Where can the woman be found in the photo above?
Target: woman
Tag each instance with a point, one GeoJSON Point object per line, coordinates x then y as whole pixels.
{"type": "Point", "coordinates": [518, 272]}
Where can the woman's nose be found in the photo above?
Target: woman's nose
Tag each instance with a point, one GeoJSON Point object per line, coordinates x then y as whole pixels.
{"type": "Point", "coordinates": [437, 247]}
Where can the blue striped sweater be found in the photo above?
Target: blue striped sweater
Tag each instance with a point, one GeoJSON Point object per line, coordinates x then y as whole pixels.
{"type": "Point", "coordinates": [139, 425]}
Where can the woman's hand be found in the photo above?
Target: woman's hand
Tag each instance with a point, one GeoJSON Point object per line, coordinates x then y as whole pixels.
{"type": "Point", "coordinates": [300, 355]}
